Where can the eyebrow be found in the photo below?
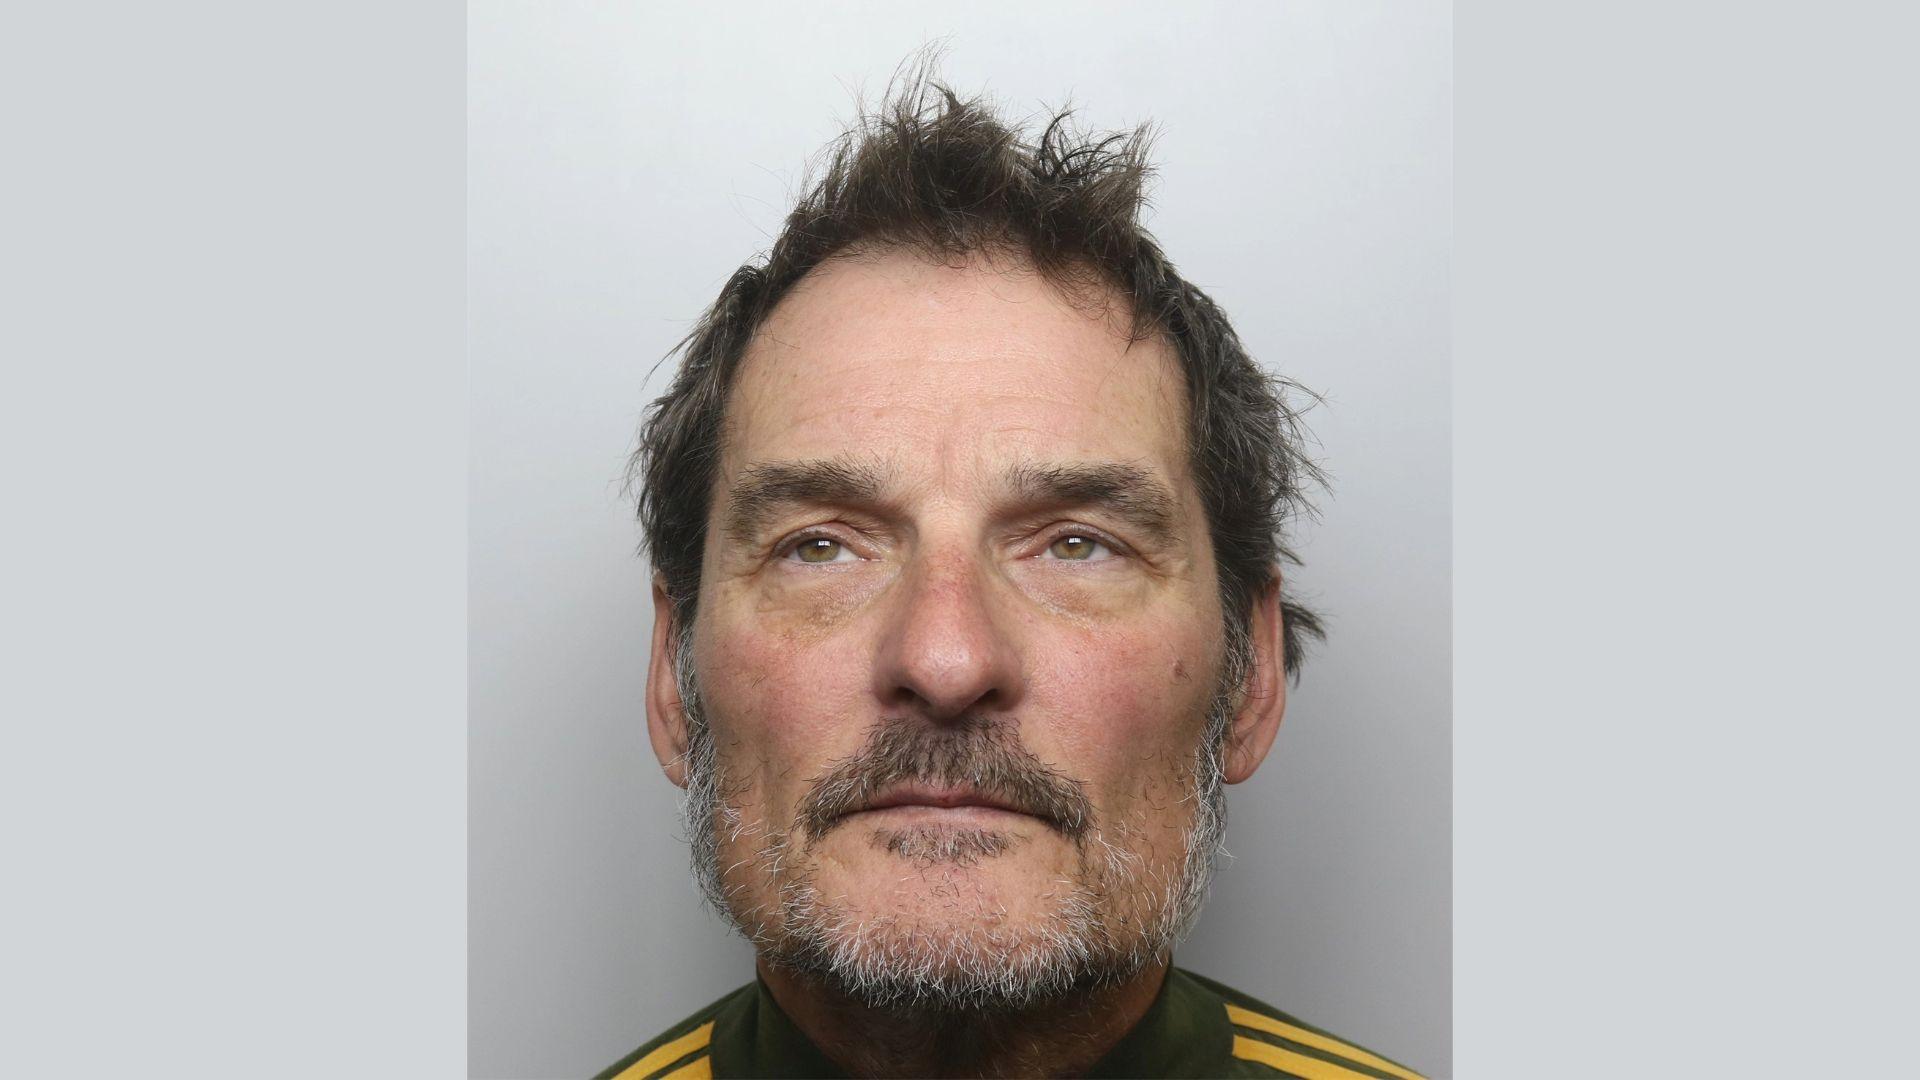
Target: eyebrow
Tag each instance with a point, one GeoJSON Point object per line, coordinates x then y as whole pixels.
{"type": "Point", "coordinates": [1128, 492]}
{"type": "Point", "coordinates": [765, 488]}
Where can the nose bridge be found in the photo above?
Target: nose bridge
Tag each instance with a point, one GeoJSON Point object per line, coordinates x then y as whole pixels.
{"type": "Point", "coordinates": [947, 650]}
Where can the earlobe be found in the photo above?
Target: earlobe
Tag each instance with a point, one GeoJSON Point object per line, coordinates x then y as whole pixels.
{"type": "Point", "coordinates": [666, 713]}
{"type": "Point", "coordinates": [1264, 698]}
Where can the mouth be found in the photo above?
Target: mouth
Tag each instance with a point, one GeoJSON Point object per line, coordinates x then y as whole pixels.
{"type": "Point", "coordinates": [944, 803]}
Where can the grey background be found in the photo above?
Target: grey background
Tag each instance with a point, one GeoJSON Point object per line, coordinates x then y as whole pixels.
{"type": "Point", "coordinates": [1683, 623]}
{"type": "Point", "coordinates": [624, 159]}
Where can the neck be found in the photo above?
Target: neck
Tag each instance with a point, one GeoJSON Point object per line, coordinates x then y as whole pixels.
{"type": "Point", "coordinates": [1062, 1037]}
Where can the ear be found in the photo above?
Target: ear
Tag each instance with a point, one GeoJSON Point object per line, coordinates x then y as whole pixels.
{"type": "Point", "coordinates": [1264, 698]}
{"type": "Point", "coordinates": [666, 713]}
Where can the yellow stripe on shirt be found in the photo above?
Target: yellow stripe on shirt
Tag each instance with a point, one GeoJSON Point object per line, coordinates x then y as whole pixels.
{"type": "Point", "coordinates": [668, 1053]}
{"type": "Point", "coordinates": [1307, 1068]}
{"type": "Point", "coordinates": [1247, 1018]}
{"type": "Point", "coordinates": [700, 1068]}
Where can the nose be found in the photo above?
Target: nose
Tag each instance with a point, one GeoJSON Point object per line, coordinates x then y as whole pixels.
{"type": "Point", "coordinates": [945, 652]}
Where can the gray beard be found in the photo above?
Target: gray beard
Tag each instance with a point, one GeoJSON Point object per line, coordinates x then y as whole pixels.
{"type": "Point", "coordinates": [1079, 946]}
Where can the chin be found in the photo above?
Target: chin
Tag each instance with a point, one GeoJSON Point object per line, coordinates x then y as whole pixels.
{"type": "Point", "coordinates": [948, 919]}
{"type": "Point", "coordinates": [942, 946]}
{"type": "Point", "coordinates": [930, 876]}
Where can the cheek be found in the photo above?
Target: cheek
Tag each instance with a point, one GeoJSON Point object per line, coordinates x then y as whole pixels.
{"type": "Point", "coordinates": [780, 706]}
{"type": "Point", "coordinates": [1130, 704]}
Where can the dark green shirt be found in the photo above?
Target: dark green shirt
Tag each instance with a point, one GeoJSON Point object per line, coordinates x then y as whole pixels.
{"type": "Point", "coordinates": [1196, 1027]}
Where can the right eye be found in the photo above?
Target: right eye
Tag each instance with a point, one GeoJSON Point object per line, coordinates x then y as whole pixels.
{"type": "Point", "coordinates": [819, 550]}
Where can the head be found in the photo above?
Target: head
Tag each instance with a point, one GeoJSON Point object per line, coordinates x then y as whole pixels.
{"type": "Point", "coordinates": [967, 519]}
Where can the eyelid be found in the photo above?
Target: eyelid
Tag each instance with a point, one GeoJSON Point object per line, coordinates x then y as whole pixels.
{"type": "Point", "coordinates": [1060, 530]}
{"type": "Point", "coordinates": [786, 545]}
{"type": "Point", "coordinates": [1051, 534]}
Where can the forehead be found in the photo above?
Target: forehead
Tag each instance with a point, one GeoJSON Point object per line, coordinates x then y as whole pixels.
{"type": "Point", "coordinates": [947, 370]}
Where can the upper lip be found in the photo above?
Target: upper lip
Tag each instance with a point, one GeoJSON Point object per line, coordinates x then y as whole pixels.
{"type": "Point", "coordinates": [928, 795]}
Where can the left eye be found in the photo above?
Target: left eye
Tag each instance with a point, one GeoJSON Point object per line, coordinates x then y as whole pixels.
{"type": "Point", "coordinates": [820, 549]}
{"type": "Point", "coordinates": [1076, 547]}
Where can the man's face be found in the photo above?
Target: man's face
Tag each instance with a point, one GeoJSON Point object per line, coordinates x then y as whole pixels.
{"type": "Point", "coordinates": [959, 639]}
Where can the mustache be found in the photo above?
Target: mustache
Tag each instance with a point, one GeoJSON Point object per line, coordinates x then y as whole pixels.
{"type": "Point", "coordinates": [977, 752]}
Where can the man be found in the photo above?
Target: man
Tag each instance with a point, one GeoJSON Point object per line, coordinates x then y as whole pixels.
{"type": "Point", "coordinates": [966, 517]}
